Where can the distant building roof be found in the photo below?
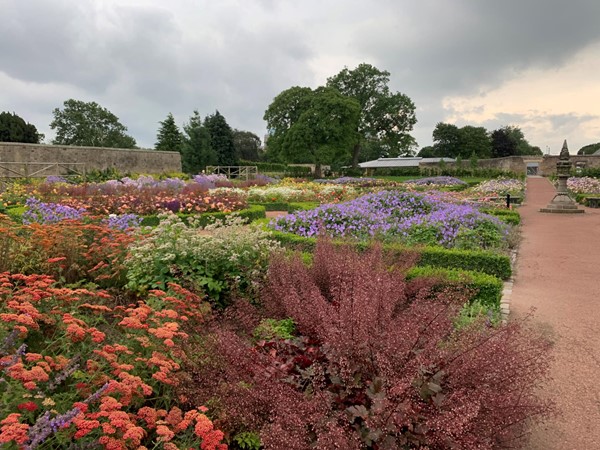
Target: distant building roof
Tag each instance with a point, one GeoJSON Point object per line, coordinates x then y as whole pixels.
{"type": "Point", "coordinates": [412, 161]}
{"type": "Point", "coordinates": [597, 152]}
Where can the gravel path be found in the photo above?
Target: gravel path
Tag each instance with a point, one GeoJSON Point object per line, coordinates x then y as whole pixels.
{"type": "Point", "coordinates": [558, 273]}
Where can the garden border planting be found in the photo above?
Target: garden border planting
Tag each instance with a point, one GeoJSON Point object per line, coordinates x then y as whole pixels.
{"type": "Point", "coordinates": [473, 260]}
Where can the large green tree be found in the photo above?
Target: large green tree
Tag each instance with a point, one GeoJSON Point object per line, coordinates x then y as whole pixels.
{"type": "Point", "coordinates": [89, 124]}
{"type": "Point", "coordinates": [169, 137]}
{"type": "Point", "coordinates": [14, 129]}
{"type": "Point", "coordinates": [196, 151]}
{"type": "Point", "coordinates": [323, 129]}
{"type": "Point", "coordinates": [589, 149]}
{"type": "Point", "coordinates": [503, 143]}
{"type": "Point", "coordinates": [283, 112]}
{"type": "Point", "coordinates": [446, 140]}
{"type": "Point", "coordinates": [385, 116]}
{"type": "Point", "coordinates": [221, 139]}
{"type": "Point", "coordinates": [474, 141]}
{"type": "Point", "coordinates": [247, 145]}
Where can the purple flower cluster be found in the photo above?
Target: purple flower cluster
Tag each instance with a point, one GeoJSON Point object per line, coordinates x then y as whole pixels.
{"type": "Point", "coordinates": [437, 181]}
{"type": "Point", "coordinates": [123, 222]}
{"type": "Point", "coordinates": [144, 181]}
{"type": "Point", "coordinates": [55, 179]}
{"type": "Point", "coordinates": [40, 212]}
{"type": "Point", "coordinates": [348, 180]}
{"type": "Point", "coordinates": [408, 217]}
{"type": "Point", "coordinates": [209, 181]}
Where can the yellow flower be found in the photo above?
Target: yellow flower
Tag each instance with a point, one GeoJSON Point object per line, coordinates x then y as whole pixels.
{"type": "Point", "coordinates": [48, 402]}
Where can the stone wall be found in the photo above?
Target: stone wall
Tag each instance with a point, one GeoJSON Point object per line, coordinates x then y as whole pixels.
{"type": "Point", "coordinates": [518, 164]}
{"type": "Point", "coordinates": [90, 158]}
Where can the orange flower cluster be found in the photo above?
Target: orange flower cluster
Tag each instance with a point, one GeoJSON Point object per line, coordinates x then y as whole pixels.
{"type": "Point", "coordinates": [134, 350]}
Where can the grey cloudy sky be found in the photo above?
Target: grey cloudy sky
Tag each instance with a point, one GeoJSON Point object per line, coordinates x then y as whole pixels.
{"type": "Point", "coordinates": [530, 63]}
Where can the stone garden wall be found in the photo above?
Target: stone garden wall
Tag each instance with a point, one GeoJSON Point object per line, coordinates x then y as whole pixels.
{"type": "Point", "coordinates": [99, 158]}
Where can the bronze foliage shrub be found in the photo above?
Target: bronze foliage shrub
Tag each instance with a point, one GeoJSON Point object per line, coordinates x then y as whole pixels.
{"type": "Point", "coordinates": [376, 363]}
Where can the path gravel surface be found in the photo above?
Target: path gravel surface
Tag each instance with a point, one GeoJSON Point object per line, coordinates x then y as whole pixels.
{"type": "Point", "coordinates": [558, 273]}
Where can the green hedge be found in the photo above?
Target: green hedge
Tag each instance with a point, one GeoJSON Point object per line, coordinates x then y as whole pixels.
{"type": "Point", "coordinates": [488, 288]}
{"type": "Point", "coordinates": [273, 206]}
{"type": "Point", "coordinates": [474, 260]}
{"type": "Point", "coordinates": [251, 213]}
{"type": "Point", "coordinates": [301, 206]}
{"type": "Point", "coordinates": [509, 216]}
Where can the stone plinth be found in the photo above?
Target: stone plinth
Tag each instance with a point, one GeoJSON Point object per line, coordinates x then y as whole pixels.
{"type": "Point", "coordinates": [562, 203]}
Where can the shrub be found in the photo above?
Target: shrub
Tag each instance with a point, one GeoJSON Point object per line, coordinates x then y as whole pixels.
{"type": "Point", "coordinates": [222, 258]}
{"type": "Point", "coordinates": [376, 363]}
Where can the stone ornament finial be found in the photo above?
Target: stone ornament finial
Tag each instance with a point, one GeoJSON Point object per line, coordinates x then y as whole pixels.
{"type": "Point", "coordinates": [564, 153]}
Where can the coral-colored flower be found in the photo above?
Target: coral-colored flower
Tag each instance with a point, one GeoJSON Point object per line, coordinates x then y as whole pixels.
{"type": "Point", "coordinates": [165, 433]}
{"type": "Point", "coordinates": [12, 430]}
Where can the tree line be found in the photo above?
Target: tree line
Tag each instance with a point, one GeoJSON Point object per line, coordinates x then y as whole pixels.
{"type": "Point", "coordinates": [354, 117]}
{"type": "Point", "coordinates": [476, 142]}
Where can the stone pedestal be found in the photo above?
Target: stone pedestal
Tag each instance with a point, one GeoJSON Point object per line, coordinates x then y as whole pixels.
{"type": "Point", "coordinates": [562, 203]}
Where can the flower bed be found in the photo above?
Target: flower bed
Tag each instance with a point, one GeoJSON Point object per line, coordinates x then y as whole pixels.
{"type": "Point", "coordinates": [78, 368]}
{"type": "Point", "coordinates": [583, 185]}
{"type": "Point", "coordinates": [408, 217]}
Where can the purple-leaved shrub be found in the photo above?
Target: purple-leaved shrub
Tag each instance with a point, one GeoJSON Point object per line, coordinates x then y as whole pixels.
{"type": "Point", "coordinates": [376, 363]}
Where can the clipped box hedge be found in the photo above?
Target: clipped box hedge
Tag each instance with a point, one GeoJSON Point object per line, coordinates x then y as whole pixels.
{"type": "Point", "coordinates": [509, 216]}
{"type": "Point", "coordinates": [488, 288]}
{"type": "Point", "coordinates": [251, 213]}
{"type": "Point", "coordinates": [474, 260]}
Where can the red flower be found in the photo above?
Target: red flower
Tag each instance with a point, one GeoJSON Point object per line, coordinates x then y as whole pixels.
{"type": "Point", "coordinates": [29, 406]}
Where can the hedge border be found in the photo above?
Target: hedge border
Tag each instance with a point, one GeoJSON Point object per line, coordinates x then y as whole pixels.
{"type": "Point", "coordinates": [488, 287]}
{"type": "Point", "coordinates": [474, 260]}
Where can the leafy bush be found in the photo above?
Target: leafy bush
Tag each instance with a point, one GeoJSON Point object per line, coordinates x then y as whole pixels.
{"type": "Point", "coordinates": [509, 216]}
{"type": "Point", "coordinates": [223, 257]}
{"type": "Point", "coordinates": [377, 362]}
{"type": "Point", "coordinates": [80, 370]}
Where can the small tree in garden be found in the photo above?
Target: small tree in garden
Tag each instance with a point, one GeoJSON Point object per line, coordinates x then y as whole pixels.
{"type": "Point", "coordinates": [376, 363]}
{"type": "Point", "coordinates": [221, 139]}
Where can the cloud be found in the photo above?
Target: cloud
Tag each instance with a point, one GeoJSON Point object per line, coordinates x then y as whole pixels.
{"type": "Point", "coordinates": [142, 59]}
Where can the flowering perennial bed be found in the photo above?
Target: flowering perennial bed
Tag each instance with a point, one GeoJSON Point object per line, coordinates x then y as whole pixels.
{"type": "Point", "coordinates": [584, 185]}
{"type": "Point", "coordinates": [409, 217]}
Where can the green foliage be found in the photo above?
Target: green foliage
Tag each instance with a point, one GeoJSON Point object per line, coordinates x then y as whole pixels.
{"type": "Point", "coordinates": [270, 329]}
{"type": "Point", "coordinates": [221, 139]}
{"type": "Point", "coordinates": [317, 127]}
{"type": "Point", "coordinates": [386, 118]}
{"type": "Point", "coordinates": [264, 166]}
{"type": "Point", "coordinates": [89, 124]}
{"type": "Point", "coordinates": [169, 137]}
{"type": "Point", "coordinates": [196, 150]}
{"type": "Point", "coordinates": [16, 213]}
{"type": "Point", "coordinates": [301, 206]}
{"type": "Point", "coordinates": [487, 288]}
{"type": "Point", "coordinates": [481, 261]}
{"type": "Point", "coordinates": [249, 214]}
{"type": "Point", "coordinates": [247, 145]}
{"type": "Point", "coordinates": [486, 262]}
{"type": "Point", "coordinates": [14, 129]}
{"type": "Point", "coordinates": [248, 440]}
{"type": "Point", "coordinates": [589, 149]}
{"type": "Point", "coordinates": [476, 311]}
{"type": "Point", "coordinates": [509, 216]}
{"type": "Point", "coordinates": [485, 235]}
{"type": "Point", "coordinates": [225, 257]}
{"type": "Point", "coordinates": [446, 140]}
